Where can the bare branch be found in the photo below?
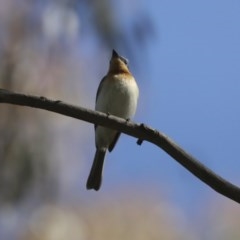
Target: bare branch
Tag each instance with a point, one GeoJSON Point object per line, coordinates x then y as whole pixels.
{"type": "Point", "coordinates": [140, 131]}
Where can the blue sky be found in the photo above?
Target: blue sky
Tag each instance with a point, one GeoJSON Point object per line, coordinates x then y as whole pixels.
{"type": "Point", "coordinates": [191, 94]}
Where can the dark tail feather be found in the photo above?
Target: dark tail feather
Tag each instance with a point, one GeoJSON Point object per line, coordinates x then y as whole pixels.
{"type": "Point", "coordinates": [95, 176]}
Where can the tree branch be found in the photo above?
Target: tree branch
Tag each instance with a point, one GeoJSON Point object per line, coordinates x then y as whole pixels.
{"type": "Point", "coordinates": [140, 131]}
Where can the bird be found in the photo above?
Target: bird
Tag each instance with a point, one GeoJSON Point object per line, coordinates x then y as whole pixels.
{"type": "Point", "coordinates": [117, 95]}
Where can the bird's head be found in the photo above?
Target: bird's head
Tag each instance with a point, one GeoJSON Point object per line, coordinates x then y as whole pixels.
{"type": "Point", "coordinates": [118, 64]}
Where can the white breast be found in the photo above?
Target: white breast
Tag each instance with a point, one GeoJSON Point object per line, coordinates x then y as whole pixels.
{"type": "Point", "coordinates": [118, 97]}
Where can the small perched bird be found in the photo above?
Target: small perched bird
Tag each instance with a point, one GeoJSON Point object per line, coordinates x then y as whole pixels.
{"type": "Point", "coordinates": [117, 94]}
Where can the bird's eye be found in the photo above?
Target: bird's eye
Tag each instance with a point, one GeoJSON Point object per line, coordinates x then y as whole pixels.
{"type": "Point", "coordinates": [124, 60]}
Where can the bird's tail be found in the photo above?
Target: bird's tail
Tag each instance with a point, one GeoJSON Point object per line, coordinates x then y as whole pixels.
{"type": "Point", "coordinates": [95, 176]}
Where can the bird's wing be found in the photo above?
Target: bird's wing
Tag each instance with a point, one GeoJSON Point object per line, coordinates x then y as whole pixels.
{"type": "Point", "coordinates": [98, 91]}
{"type": "Point", "coordinates": [100, 87]}
{"type": "Point", "coordinates": [113, 143]}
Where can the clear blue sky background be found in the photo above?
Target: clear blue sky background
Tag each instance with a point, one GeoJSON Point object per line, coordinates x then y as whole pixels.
{"type": "Point", "coordinates": [189, 90]}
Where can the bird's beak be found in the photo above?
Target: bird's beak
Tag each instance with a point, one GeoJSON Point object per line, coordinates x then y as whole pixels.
{"type": "Point", "coordinates": [114, 54]}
